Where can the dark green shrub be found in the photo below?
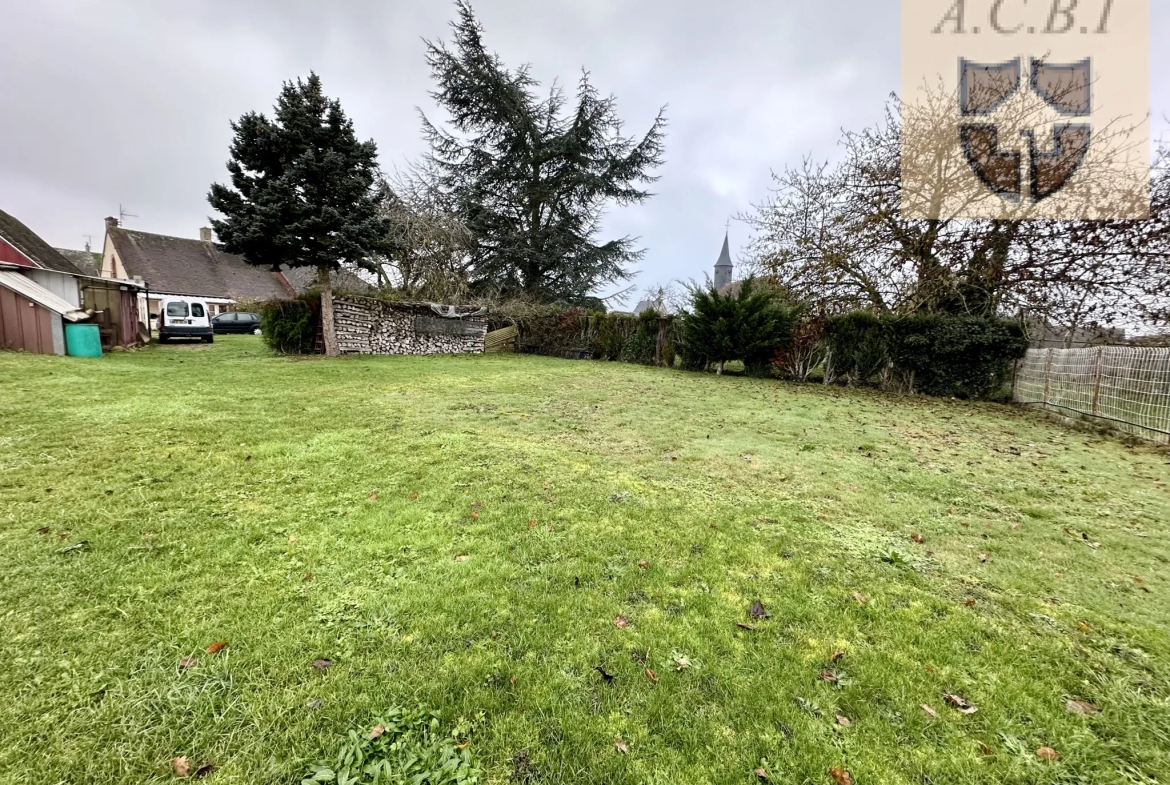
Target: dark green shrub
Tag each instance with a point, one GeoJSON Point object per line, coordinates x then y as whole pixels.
{"type": "Point", "coordinates": [954, 356]}
{"type": "Point", "coordinates": [857, 347]}
{"type": "Point", "coordinates": [748, 324]}
{"type": "Point", "coordinates": [641, 343]}
{"type": "Point", "coordinates": [612, 333]}
{"type": "Point", "coordinates": [291, 326]}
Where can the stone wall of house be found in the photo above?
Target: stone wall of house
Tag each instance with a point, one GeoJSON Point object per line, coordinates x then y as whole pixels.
{"type": "Point", "coordinates": [368, 326]}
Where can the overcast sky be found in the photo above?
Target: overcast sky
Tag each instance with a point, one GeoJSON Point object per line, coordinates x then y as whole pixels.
{"type": "Point", "coordinates": [127, 102]}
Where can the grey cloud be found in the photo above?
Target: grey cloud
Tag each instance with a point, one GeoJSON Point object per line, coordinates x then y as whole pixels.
{"type": "Point", "coordinates": [128, 101]}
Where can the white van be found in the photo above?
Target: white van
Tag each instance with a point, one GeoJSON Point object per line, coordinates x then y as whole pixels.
{"type": "Point", "coordinates": [184, 317]}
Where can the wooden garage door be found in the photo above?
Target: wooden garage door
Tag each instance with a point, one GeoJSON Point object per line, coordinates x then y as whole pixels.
{"type": "Point", "coordinates": [24, 325]}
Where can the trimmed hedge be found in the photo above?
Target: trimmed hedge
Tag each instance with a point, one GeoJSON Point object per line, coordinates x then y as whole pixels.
{"type": "Point", "coordinates": [291, 326]}
{"type": "Point", "coordinates": [579, 334]}
{"type": "Point", "coordinates": [955, 356]}
{"type": "Point", "coordinates": [933, 354]}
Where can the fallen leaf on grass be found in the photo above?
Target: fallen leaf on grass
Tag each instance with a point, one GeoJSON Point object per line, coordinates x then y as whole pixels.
{"type": "Point", "coordinates": [933, 714]}
{"type": "Point", "coordinates": [44, 530]}
{"type": "Point", "coordinates": [414, 496]}
{"type": "Point", "coordinates": [621, 622]}
{"type": "Point", "coordinates": [322, 665]}
{"type": "Point", "coordinates": [1083, 627]}
{"type": "Point", "coordinates": [643, 565]}
{"type": "Point", "coordinates": [861, 598]}
{"type": "Point", "coordinates": [652, 676]}
{"type": "Point", "coordinates": [188, 662]}
{"type": "Point", "coordinates": [828, 676]}
{"type": "Point", "coordinates": [1048, 754]}
{"type": "Point", "coordinates": [761, 774]}
{"type": "Point", "coordinates": [621, 746]}
{"type": "Point", "coordinates": [983, 557]}
{"type": "Point", "coordinates": [1015, 527]}
{"type": "Point", "coordinates": [918, 538]}
{"type": "Point", "coordinates": [971, 603]}
{"type": "Point", "coordinates": [533, 524]}
{"type": "Point", "coordinates": [373, 497]}
{"type": "Point", "coordinates": [838, 656]}
{"type": "Point", "coordinates": [475, 516]}
{"type": "Point", "coordinates": [315, 704]}
{"type": "Point", "coordinates": [308, 578]}
{"type": "Point", "coordinates": [181, 766]}
{"type": "Point", "coordinates": [609, 677]}
{"type": "Point", "coordinates": [841, 777]}
{"type": "Point", "coordinates": [960, 704]}
{"type": "Point", "coordinates": [1081, 707]}
{"type": "Point", "coordinates": [748, 627]}
{"type": "Point", "coordinates": [377, 732]}
{"type": "Point", "coordinates": [844, 721]}
{"type": "Point", "coordinates": [988, 751]}
{"type": "Point", "coordinates": [216, 647]}
{"type": "Point", "coordinates": [462, 558]}
{"type": "Point", "coordinates": [681, 663]}
{"type": "Point", "coordinates": [758, 611]}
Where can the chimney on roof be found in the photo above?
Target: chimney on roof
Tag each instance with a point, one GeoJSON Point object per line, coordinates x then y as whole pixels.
{"type": "Point", "coordinates": [111, 223]}
{"type": "Point", "coordinates": [205, 234]}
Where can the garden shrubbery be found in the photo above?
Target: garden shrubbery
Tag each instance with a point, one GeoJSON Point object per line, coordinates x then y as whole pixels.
{"type": "Point", "coordinates": [748, 324]}
{"type": "Point", "coordinates": [292, 326]}
{"type": "Point", "coordinates": [644, 339]}
{"type": "Point", "coordinates": [933, 354]}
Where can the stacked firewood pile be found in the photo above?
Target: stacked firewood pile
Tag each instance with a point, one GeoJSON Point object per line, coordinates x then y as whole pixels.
{"type": "Point", "coordinates": [369, 326]}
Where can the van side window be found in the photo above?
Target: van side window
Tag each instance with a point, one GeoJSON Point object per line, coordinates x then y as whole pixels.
{"type": "Point", "coordinates": [177, 310]}
{"type": "Point", "coordinates": [197, 310]}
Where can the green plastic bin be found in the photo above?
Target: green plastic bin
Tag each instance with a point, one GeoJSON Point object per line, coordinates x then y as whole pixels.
{"type": "Point", "coordinates": [83, 340]}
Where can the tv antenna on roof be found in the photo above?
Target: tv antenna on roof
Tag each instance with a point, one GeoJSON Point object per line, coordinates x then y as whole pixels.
{"type": "Point", "coordinates": [88, 242]}
{"type": "Point", "coordinates": [123, 215]}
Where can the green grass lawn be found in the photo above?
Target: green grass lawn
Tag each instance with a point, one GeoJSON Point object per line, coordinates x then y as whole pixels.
{"type": "Point", "coordinates": [462, 534]}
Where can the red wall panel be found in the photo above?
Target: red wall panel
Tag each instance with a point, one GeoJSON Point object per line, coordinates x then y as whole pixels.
{"type": "Point", "coordinates": [13, 256]}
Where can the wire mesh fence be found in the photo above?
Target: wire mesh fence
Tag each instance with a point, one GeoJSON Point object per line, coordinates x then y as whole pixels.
{"type": "Point", "coordinates": [1127, 387]}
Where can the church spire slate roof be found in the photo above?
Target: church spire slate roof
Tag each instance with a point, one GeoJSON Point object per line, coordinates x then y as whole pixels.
{"type": "Point", "coordinates": [724, 268]}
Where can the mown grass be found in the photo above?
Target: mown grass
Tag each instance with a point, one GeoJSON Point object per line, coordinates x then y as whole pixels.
{"type": "Point", "coordinates": [228, 495]}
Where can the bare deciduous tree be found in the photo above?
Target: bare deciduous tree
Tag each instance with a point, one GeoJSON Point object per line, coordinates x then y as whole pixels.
{"type": "Point", "coordinates": [838, 236]}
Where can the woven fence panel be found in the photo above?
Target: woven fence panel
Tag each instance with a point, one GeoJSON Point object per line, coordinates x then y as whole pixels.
{"type": "Point", "coordinates": [1128, 387]}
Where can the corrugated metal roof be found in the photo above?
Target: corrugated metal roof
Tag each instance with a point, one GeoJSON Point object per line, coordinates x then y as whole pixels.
{"type": "Point", "coordinates": [39, 294]}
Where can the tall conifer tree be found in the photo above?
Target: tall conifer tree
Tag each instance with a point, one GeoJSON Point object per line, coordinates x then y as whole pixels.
{"type": "Point", "coordinates": [304, 191]}
{"type": "Point", "coordinates": [531, 175]}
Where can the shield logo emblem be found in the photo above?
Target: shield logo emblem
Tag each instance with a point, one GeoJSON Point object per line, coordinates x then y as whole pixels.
{"type": "Point", "coordinates": [1066, 88]}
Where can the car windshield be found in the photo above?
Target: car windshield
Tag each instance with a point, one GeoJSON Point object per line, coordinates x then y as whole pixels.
{"type": "Point", "coordinates": [177, 309]}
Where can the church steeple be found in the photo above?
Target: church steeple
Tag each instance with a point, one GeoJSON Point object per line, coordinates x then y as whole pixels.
{"type": "Point", "coordinates": [724, 269]}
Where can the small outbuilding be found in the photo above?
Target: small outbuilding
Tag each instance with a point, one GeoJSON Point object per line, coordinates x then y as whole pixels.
{"type": "Point", "coordinates": [40, 290]}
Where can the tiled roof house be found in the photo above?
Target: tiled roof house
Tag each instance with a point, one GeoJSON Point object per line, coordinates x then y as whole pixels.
{"type": "Point", "coordinates": [182, 266]}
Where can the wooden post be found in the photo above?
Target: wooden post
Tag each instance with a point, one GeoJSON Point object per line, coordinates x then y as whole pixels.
{"type": "Point", "coordinates": [1097, 380]}
{"type": "Point", "coordinates": [661, 340]}
{"type": "Point", "coordinates": [1048, 376]}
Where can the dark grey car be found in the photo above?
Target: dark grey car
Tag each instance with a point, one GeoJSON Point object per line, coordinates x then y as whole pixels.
{"type": "Point", "coordinates": [243, 323]}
